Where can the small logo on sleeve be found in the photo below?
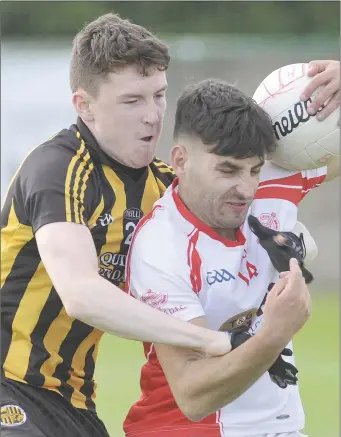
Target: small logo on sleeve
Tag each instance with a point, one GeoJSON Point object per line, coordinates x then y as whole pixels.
{"type": "Point", "coordinates": [105, 220]}
{"type": "Point", "coordinates": [12, 415]}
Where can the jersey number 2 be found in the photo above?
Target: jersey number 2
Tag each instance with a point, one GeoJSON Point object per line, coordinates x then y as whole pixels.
{"type": "Point", "coordinates": [129, 225]}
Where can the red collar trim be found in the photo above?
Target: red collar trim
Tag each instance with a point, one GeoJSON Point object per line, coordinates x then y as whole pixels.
{"type": "Point", "coordinates": [200, 225]}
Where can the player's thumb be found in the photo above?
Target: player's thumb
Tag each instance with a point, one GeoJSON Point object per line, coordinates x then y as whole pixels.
{"type": "Point", "coordinates": [295, 270]}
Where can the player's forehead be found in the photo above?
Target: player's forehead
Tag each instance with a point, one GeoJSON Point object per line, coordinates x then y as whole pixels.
{"type": "Point", "coordinates": [128, 81]}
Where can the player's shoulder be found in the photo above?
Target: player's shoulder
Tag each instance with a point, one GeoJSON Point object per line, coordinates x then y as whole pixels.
{"type": "Point", "coordinates": [56, 161]}
{"type": "Point", "coordinates": [272, 173]}
{"type": "Point", "coordinates": [153, 230]}
{"type": "Point", "coordinates": [157, 239]}
{"type": "Point", "coordinates": [59, 149]}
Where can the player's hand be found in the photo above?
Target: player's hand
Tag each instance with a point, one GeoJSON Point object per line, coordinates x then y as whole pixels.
{"type": "Point", "coordinates": [281, 372]}
{"type": "Point", "coordinates": [287, 306]}
{"type": "Point", "coordinates": [281, 247]}
{"type": "Point", "coordinates": [325, 74]}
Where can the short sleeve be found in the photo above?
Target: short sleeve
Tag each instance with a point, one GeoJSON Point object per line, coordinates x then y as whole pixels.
{"type": "Point", "coordinates": [279, 183]}
{"type": "Point", "coordinates": [55, 184]}
{"type": "Point", "coordinates": [156, 278]}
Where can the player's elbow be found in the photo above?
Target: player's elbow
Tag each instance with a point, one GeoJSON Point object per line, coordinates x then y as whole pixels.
{"type": "Point", "coordinates": [191, 411]}
{"type": "Point", "coordinates": [197, 404]}
{"type": "Point", "coordinates": [192, 406]}
{"type": "Point", "coordinates": [75, 299]}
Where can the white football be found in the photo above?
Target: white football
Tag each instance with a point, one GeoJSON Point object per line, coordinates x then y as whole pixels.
{"type": "Point", "coordinates": [303, 141]}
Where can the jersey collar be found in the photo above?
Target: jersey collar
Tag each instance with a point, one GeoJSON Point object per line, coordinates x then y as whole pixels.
{"type": "Point", "coordinates": [200, 225]}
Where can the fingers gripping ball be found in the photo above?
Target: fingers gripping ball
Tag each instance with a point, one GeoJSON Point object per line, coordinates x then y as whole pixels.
{"type": "Point", "coordinates": [303, 141]}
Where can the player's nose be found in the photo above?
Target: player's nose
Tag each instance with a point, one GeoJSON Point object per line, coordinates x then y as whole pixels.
{"type": "Point", "coordinates": [152, 114]}
{"type": "Point", "coordinates": [246, 190]}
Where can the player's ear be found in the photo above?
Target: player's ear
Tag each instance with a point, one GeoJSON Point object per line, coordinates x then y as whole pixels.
{"type": "Point", "coordinates": [81, 101]}
{"type": "Point", "coordinates": [179, 156]}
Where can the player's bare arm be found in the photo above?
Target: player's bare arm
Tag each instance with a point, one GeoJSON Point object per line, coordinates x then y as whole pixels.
{"type": "Point", "coordinates": [203, 385]}
{"type": "Point", "coordinates": [68, 253]}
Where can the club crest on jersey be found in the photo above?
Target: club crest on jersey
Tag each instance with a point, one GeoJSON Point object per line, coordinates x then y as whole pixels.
{"type": "Point", "coordinates": [155, 300]}
{"type": "Point", "coordinates": [12, 415]}
{"type": "Point", "coordinates": [242, 319]}
{"type": "Point", "coordinates": [270, 220]}
{"type": "Point", "coordinates": [221, 275]}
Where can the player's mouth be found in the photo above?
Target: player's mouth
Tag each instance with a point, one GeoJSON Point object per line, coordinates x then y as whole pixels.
{"type": "Point", "coordinates": [238, 206]}
{"type": "Point", "coordinates": [148, 139]}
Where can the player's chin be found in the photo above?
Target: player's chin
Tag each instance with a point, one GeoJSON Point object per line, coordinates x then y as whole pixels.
{"type": "Point", "coordinates": [143, 159]}
{"type": "Point", "coordinates": [232, 222]}
{"type": "Point", "coordinates": [145, 155]}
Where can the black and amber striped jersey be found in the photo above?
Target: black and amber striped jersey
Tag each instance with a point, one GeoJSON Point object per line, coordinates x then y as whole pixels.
{"type": "Point", "coordinates": [66, 179]}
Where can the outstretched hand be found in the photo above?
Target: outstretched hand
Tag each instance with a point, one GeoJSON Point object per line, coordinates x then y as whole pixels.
{"type": "Point", "coordinates": [326, 76]}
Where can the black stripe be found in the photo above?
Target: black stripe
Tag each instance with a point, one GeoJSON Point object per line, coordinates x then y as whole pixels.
{"type": "Point", "coordinates": [162, 166]}
{"type": "Point", "coordinates": [78, 333]}
{"type": "Point", "coordinates": [88, 388]}
{"type": "Point", "coordinates": [23, 269]}
{"type": "Point", "coordinates": [39, 354]}
{"type": "Point", "coordinates": [134, 192]}
{"type": "Point", "coordinates": [99, 233]}
{"type": "Point", "coordinates": [80, 159]}
{"type": "Point", "coordinates": [86, 167]}
{"type": "Point", "coordinates": [165, 177]}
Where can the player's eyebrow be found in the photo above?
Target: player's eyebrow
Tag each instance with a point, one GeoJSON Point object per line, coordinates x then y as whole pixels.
{"type": "Point", "coordinates": [228, 165]}
{"type": "Point", "coordinates": [135, 96]}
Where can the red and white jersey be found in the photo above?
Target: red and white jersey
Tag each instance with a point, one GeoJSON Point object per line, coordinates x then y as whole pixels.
{"type": "Point", "coordinates": [181, 266]}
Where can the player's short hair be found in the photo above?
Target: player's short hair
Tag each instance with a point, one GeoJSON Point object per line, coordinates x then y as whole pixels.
{"type": "Point", "coordinates": [223, 117]}
{"type": "Point", "coordinates": [110, 43]}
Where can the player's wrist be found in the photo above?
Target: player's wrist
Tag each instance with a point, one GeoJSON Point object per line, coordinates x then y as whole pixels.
{"type": "Point", "coordinates": [216, 343]}
{"type": "Point", "coordinates": [273, 340]}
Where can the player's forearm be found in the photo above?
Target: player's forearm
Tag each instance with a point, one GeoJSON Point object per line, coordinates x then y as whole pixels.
{"type": "Point", "coordinates": [106, 307]}
{"type": "Point", "coordinates": [209, 384]}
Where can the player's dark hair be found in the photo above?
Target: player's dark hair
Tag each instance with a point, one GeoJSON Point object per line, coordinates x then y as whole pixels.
{"type": "Point", "coordinates": [223, 117]}
{"type": "Point", "coordinates": [110, 43]}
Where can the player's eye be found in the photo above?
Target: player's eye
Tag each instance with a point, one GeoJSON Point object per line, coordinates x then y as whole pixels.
{"type": "Point", "coordinates": [228, 172]}
{"type": "Point", "coordinates": [129, 102]}
{"type": "Point", "coordinates": [255, 171]}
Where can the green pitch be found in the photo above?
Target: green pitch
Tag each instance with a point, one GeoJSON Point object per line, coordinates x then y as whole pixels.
{"type": "Point", "coordinates": [317, 356]}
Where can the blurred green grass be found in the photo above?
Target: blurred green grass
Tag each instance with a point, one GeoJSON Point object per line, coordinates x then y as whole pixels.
{"type": "Point", "coordinates": [317, 349]}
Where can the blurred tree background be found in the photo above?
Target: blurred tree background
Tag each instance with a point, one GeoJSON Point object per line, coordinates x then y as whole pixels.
{"type": "Point", "coordinates": [48, 18]}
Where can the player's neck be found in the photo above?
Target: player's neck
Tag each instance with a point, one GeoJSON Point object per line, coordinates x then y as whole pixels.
{"type": "Point", "coordinates": [230, 234]}
{"type": "Point", "coordinates": [200, 214]}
